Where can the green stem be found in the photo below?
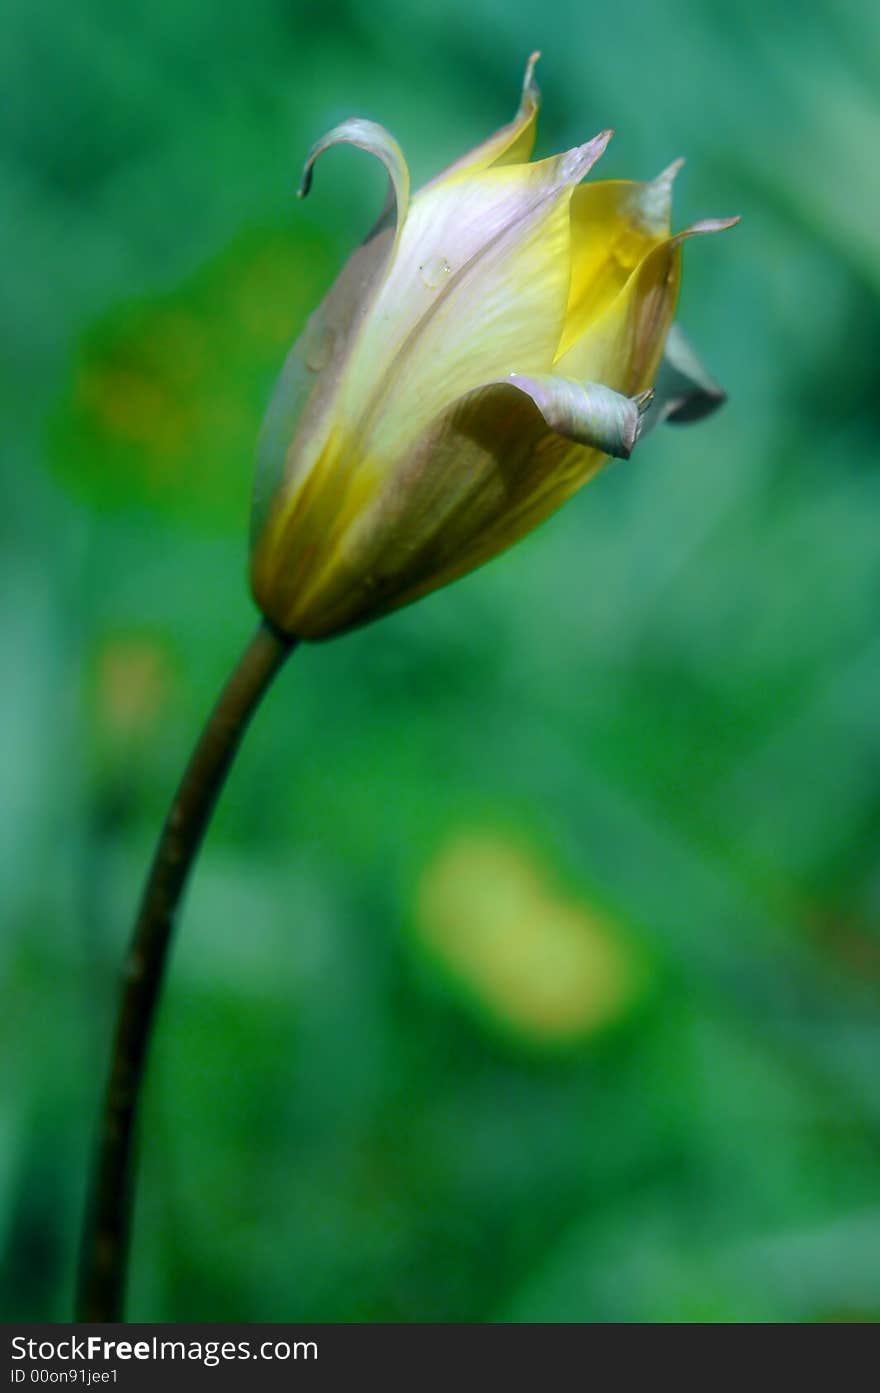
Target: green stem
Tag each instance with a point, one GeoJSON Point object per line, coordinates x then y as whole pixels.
{"type": "Point", "coordinates": [105, 1238]}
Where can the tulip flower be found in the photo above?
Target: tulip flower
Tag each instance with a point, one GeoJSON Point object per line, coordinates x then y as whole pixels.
{"type": "Point", "coordinates": [493, 342]}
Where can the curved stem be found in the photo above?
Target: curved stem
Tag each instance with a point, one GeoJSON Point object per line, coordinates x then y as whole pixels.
{"type": "Point", "coordinates": [105, 1239]}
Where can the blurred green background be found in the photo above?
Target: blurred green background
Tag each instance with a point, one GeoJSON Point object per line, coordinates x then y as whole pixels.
{"type": "Point", "coordinates": [532, 968]}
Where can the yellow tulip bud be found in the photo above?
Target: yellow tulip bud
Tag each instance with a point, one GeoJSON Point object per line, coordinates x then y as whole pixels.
{"type": "Point", "coordinates": [481, 355]}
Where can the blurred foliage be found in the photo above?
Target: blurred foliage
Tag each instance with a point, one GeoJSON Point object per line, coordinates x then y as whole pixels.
{"type": "Point", "coordinates": [165, 393]}
{"type": "Point", "coordinates": [532, 967]}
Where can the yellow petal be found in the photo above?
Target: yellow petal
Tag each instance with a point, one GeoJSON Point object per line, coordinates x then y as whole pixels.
{"type": "Point", "coordinates": [511, 144]}
{"type": "Point", "coordinates": [622, 347]}
{"type": "Point", "coordinates": [504, 455]}
{"type": "Point", "coordinates": [614, 225]}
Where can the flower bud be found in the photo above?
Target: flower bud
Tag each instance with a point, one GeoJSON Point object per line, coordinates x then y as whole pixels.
{"type": "Point", "coordinates": [493, 342]}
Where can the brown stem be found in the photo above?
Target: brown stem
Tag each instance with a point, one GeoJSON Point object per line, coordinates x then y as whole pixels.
{"type": "Point", "coordinates": [105, 1238]}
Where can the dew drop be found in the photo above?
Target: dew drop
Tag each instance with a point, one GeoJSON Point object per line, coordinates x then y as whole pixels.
{"type": "Point", "coordinates": [434, 271]}
{"type": "Point", "coordinates": [317, 344]}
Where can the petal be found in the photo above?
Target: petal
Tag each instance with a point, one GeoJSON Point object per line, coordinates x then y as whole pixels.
{"type": "Point", "coordinates": [430, 329]}
{"type": "Point", "coordinates": [498, 461]}
{"type": "Point", "coordinates": [375, 140]}
{"type": "Point", "coordinates": [623, 345]}
{"type": "Point", "coordinates": [297, 414]}
{"type": "Point", "coordinates": [479, 285]}
{"type": "Point", "coordinates": [614, 225]}
{"type": "Point", "coordinates": [587, 412]}
{"type": "Point", "coordinates": [513, 143]}
{"type": "Point", "coordinates": [685, 390]}
{"type": "Point", "coordinates": [479, 282]}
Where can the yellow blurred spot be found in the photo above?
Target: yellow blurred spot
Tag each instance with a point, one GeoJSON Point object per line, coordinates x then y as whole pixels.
{"type": "Point", "coordinates": [551, 967]}
{"type": "Point", "coordinates": [134, 682]}
{"type": "Point", "coordinates": [167, 393]}
{"type": "Point", "coordinates": [130, 404]}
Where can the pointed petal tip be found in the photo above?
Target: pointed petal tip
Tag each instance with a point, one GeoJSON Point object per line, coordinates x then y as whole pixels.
{"type": "Point", "coordinates": [642, 402]}
{"type": "Point", "coordinates": [532, 63]}
{"type": "Point", "coordinates": [667, 175]}
{"type": "Point", "coordinates": [653, 201]}
{"type": "Point", "coordinates": [530, 100]}
{"type": "Point", "coordinates": [661, 184]}
{"type": "Point", "coordinates": [707, 226]}
{"type": "Point", "coordinates": [577, 162]}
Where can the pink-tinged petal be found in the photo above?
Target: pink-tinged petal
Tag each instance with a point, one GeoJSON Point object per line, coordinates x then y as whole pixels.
{"type": "Point", "coordinates": [372, 138]}
{"type": "Point", "coordinates": [587, 412]}
{"type": "Point", "coordinates": [502, 457]}
{"type": "Point", "coordinates": [511, 144]}
{"type": "Point", "coordinates": [479, 283]}
{"type": "Point", "coordinates": [685, 390]}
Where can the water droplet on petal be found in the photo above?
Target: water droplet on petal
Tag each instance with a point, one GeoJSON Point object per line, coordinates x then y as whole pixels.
{"type": "Point", "coordinates": [434, 271]}
{"type": "Point", "coordinates": [317, 344]}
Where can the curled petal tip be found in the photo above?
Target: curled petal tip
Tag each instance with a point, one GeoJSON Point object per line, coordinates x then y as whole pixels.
{"type": "Point", "coordinates": [305, 180]}
{"type": "Point", "coordinates": [585, 412]}
{"type": "Point", "coordinates": [375, 140]}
